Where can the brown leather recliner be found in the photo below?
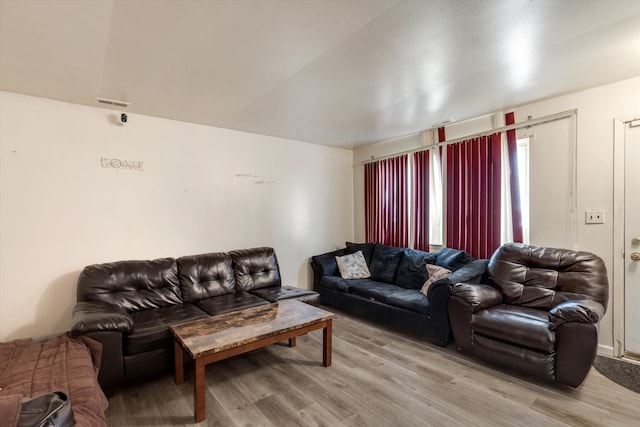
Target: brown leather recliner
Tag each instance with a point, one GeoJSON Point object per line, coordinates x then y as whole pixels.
{"type": "Point", "coordinates": [536, 311]}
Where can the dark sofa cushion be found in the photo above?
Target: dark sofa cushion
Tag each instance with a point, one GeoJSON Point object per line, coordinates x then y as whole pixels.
{"type": "Point", "coordinates": [374, 291]}
{"type": "Point", "coordinates": [151, 327]}
{"type": "Point", "coordinates": [230, 302]}
{"type": "Point", "coordinates": [412, 270]}
{"type": "Point", "coordinates": [410, 299]}
{"type": "Point", "coordinates": [384, 263]}
{"type": "Point", "coordinates": [131, 285]}
{"type": "Point", "coordinates": [255, 268]}
{"type": "Point", "coordinates": [366, 248]}
{"type": "Point", "coordinates": [204, 276]}
{"type": "Point", "coordinates": [338, 283]}
{"type": "Point", "coordinates": [453, 259]}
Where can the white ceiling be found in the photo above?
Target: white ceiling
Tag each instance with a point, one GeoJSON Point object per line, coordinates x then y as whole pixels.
{"type": "Point", "coordinates": [340, 73]}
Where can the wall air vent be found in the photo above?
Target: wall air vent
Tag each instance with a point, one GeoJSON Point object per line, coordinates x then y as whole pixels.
{"type": "Point", "coordinates": [113, 102]}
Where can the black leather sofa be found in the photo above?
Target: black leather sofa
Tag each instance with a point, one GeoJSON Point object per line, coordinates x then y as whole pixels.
{"type": "Point", "coordinates": [392, 295]}
{"type": "Point", "coordinates": [128, 305]}
{"type": "Point", "coordinates": [536, 311]}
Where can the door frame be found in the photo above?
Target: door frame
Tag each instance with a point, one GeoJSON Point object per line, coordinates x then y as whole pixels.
{"type": "Point", "coordinates": [618, 274]}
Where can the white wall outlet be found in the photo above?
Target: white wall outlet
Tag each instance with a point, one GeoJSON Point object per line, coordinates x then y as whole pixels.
{"type": "Point", "coordinates": [594, 216]}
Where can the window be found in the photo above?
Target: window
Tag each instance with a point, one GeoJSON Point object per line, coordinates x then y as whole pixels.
{"type": "Point", "coordinates": [467, 186]}
{"type": "Point", "coordinates": [523, 181]}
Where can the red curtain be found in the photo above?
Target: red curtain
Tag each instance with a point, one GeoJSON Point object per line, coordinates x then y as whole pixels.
{"type": "Point", "coordinates": [516, 210]}
{"type": "Point", "coordinates": [421, 200]}
{"type": "Point", "coordinates": [386, 215]}
{"type": "Point", "coordinates": [473, 195]}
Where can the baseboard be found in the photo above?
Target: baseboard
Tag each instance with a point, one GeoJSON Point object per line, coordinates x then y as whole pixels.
{"type": "Point", "coordinates": [605, 350]}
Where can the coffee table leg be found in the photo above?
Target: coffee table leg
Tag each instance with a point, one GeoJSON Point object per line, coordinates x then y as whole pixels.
{"type": "Point", "coordinates": [292, 342]}
{"type": "Point", "coordinates": [198, 392]}
{"type": "Point", "coordinates": [179, 364]}
{"type": "Point", "coordinates": [326, 344]}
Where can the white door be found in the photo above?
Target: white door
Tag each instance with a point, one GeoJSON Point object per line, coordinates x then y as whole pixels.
{"type": "Point", "coordinates": [632, 241]}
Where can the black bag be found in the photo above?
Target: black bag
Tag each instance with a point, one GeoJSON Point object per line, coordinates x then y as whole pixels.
{"type": "Point", "coordinates": [47, 410]}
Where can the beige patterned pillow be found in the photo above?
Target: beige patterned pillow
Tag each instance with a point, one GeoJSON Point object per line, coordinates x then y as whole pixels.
{"type": "Point", "coordinates": [353, 266]}
{"type": "Point", "coordinates": [435, 273]}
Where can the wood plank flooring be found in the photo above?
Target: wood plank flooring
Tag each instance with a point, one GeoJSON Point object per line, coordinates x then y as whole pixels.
{"type": "Point", "coordinates": [378, 378]}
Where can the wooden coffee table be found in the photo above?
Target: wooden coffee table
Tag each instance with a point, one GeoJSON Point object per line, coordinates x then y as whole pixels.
{"type": "Point", "coordinates": [225, 335]}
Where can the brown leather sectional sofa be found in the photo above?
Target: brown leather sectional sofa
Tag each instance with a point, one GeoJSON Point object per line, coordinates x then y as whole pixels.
{"type": "Point", "coordinates": [128, 305]}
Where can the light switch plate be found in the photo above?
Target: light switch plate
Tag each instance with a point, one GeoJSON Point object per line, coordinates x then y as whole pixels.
{"type": "Point", "coordinates": [594, 216]}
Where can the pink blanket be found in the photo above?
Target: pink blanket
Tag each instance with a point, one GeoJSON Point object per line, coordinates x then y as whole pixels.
{"type": "Point", "coordinates": [29, 368]}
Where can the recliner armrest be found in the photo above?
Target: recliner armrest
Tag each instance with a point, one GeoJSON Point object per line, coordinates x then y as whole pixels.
{"type": "Point", "coordinates": [583, 311]}
{"type": "Point", "coordinates": [95, 317]}
{"type": "Point", "coordinates": [479, 296]}
{"type": "Point", "coordinates": [470, 273]}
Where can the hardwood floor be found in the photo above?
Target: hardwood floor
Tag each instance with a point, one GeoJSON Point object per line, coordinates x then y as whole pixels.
{"type": "Point", "coordinates": [378, 378]}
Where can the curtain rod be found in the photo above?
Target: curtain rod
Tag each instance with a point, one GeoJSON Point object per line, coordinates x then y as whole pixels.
{"type": "Point", "coordinates": [528, 123]}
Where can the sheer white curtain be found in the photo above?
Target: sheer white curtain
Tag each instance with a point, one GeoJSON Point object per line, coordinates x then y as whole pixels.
{"type": "Point", "coordinates": [435, 198]}
{"type": "Point", "coordinates": [506, 213]}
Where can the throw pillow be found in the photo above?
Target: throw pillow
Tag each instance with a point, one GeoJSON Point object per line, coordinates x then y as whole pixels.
{"type": "Point", "coordinates": [435, 273]}
{"type": "Point", "coordinates": [353, 266]}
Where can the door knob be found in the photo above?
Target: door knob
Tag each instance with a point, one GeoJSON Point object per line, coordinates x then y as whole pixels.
{"type": "Point", "coordinates": [635, 241]}
{"type": "Point", "coordinates": [635, 256]}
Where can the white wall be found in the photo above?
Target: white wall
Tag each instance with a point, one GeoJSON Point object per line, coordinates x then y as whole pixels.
{"type": "Point", "coordinates": [597, 109]}
{"type": "Point", "coordinates": [202, 189]}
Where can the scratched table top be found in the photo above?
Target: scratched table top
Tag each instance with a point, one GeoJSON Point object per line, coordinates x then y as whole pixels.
{"type": "Point", "coordinates": [228, 330]}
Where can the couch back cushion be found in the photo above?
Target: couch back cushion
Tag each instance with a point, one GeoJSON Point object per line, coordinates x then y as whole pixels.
{"type": "Point", "coordinates": [542, 277]}
{"type": "Point", "coordinates": [384, 263]}
{"type": "Point", "coordinates": [207, 275]}
{"type": "Point", "coordinates": [366, 248]}
{"type": "Point", "coordinates": [412, 270]}
{"type": "Point", "coordinates": [453, 259]}
{"type": "Point", "coordinates": [255, 268]}
{"type": "Point", "coordinates": [131, 285]}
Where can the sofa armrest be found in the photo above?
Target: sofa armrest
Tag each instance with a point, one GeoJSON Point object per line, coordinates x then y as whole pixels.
{"type": "Point", "coordinates": [325, 265]}
{"type": "Point", "coordinates": [582, 311]}
{"type": "Point", "coordinates": [91, 316]}
{"type": "Point", "coordinates": [470, 273]}
{"type": "Point", "coordinates": [477, 295]}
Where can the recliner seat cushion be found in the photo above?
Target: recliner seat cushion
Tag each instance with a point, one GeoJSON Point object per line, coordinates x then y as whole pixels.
{"type": "Point", "coordinates": [521, 326]}
{"type": "Point", "coordinates": [151, 327]}
{"type": "Point", "coordinates": [204, 276]}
